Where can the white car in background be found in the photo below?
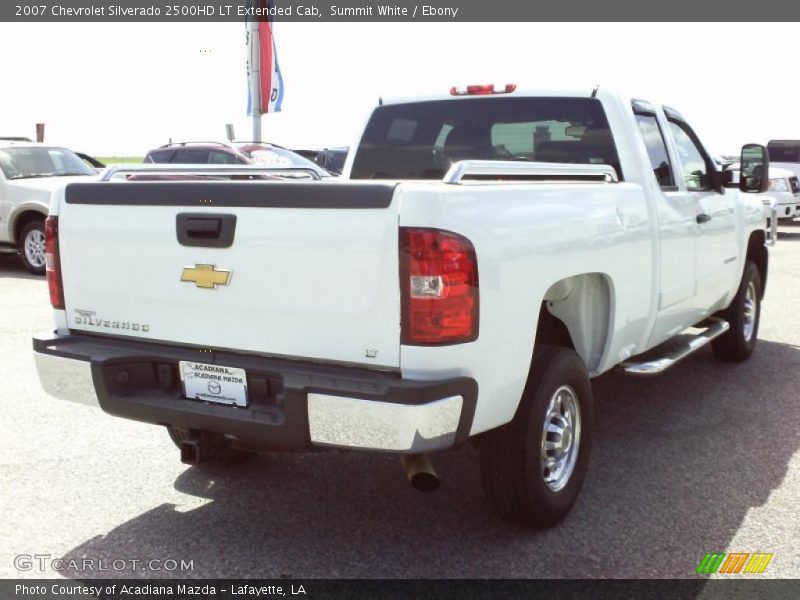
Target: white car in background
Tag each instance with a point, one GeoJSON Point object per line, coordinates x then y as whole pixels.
{"type": "Point", "coordinates": [783, 194]}
{"type": "Point", "coordinates": [784, 157]}
{"type": "Point", "coordinates": [29, 172]}
{"type": "Point", "coordinates": [784, 188]}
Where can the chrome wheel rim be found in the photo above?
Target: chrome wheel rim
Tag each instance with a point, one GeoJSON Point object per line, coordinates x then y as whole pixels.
{"type": "Point", "coordinates": [750, 311]}
{"type": "Point", "coordinates": [35, 248]}
{"type": "Point", "coordinates": [561, 437]}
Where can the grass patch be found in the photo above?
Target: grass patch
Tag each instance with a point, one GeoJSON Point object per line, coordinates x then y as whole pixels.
{"type": "Point", "coordinates": [116, 160]}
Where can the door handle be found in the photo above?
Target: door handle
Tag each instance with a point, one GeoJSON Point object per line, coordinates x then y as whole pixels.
{"type": "Point", "coordinates": [702, 218]}
{"type": "Point", "coordinates": [205, 230]}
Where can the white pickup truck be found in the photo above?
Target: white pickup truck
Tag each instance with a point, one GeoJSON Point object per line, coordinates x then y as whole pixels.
{"type": "Point", "coordinates": [485, 254]}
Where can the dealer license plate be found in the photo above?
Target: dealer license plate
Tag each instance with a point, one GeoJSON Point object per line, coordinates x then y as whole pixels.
{"type": "Point", "coordinates": [214, 383]}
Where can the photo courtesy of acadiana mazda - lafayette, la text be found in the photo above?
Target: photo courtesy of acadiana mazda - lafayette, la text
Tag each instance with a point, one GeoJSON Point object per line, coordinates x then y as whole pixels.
{"type": "Point", "coordinates": [485, 254]}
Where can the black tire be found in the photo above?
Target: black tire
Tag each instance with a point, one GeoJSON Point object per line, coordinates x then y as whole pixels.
{"type": "Point", "coordinates": [735, 344]}
{"type": "Point", "coordinates": [35, 263]}
{"type": "Point", "coordinates": [216, 447]}
{"type": "Point", "coordinates": [512, 472]}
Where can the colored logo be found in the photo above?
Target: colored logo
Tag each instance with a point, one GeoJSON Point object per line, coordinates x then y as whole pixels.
{"type": "Point", "coordinates": [735, 562]}
{"type": "Point", "coordinates": [206, 276]}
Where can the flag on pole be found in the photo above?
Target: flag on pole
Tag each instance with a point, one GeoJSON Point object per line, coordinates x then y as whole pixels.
{"type": "Point", "coordinates": [264, 80]}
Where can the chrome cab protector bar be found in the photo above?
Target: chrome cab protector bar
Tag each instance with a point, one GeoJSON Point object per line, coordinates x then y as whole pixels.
{"type": "Point", "coordinates": [489, 170]}
{"type": "Point", "coordinates": [114, 172]}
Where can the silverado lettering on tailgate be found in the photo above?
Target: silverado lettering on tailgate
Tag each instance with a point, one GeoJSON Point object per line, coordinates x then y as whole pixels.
{"type": "Point", "coordinates": [87, 317]}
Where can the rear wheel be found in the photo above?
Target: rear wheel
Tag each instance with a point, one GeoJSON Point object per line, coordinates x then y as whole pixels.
{"type": "Point", "coordinates": [31, 246]}
{"type": "Point", "coordinates": [743, 315]}
{"type": "Point", "coordinates": [533, 468]}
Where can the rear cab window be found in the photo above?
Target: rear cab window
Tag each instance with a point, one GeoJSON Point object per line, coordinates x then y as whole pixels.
{"type": "Point", "coordinates": [422, 140]}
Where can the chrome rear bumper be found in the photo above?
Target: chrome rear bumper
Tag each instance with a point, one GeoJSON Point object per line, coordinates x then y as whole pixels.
{"type": "Point", "coordinates": [66, 378]}
{"type": "Point", "coordinates": [293, 405]}
{"type": "Point", "coordinates": [358, 423]}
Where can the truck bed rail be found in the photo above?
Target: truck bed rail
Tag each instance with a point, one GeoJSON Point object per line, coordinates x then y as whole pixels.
{"type": "Point", "coordinates": [492, 170]}
{"type": "Point", "coordinates": [221, 171]}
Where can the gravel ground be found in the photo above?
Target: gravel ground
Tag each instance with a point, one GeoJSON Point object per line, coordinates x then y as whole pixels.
{"type": "Point", "coordinates": [702, 459]}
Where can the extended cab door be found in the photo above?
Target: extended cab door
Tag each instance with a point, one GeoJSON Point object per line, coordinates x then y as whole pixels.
{"type": "Point", "coordinates": [715, 228]}
{"type": "Point", "coordinates": [677, 231]}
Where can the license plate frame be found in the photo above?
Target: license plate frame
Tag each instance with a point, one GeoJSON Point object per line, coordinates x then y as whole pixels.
{"type": "Point", "coordinates": [217, 384]}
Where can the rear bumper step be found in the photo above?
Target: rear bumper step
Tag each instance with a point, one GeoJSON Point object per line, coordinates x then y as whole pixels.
{"type": "Point", "coordinates": [293, 405]}
{"type": "Point", "coordinates": [653, 365]}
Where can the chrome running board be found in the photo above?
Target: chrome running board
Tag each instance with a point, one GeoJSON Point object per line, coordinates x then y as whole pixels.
{"type": "Point", "coordinates": [659, 364]}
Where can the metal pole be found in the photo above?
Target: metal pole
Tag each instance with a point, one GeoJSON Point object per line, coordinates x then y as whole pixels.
{"type": "Point", "coordinates": [255, 78]}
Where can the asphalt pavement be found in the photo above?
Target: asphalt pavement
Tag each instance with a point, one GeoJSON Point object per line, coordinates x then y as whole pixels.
{"type": "Point", "coordinates": [701, 459]}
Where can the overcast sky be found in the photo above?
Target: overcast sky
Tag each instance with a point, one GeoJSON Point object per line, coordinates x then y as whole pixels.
{"type": "Point", "coordinates": [125, 88]}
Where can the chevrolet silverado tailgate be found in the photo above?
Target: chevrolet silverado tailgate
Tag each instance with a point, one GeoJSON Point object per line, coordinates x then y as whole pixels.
{"type": "Point", "coordinates": [307, 270]}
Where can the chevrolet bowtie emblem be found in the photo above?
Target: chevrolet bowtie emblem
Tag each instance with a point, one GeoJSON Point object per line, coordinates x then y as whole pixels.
{"type": "Point", "coordinates": [206, 276]}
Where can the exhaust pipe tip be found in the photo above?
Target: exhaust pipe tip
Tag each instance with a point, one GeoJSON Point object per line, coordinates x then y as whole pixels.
{"type": "Point", "coordinates": [420, 473]}
{"type": "Point", "coordinates": [425, 482]}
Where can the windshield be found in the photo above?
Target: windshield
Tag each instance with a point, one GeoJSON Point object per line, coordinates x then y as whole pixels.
{"type": "Point", "coordinates": [30, 162]}
{"type": "Point", "coordinates": [784, 151]}
{"type": "Point", "coordinates": [422, 140]}
{"type": "Point", "coordinates": [269, 156]}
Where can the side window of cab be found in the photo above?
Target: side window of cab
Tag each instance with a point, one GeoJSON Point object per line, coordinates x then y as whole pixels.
{"type": "Point", "coordinates": [696, 167]}
{"type": "Point", "coordinates": [655, 145]}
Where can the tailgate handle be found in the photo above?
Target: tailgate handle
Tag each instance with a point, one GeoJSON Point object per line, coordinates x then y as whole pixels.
{"type": "Point", "coordinates": [205, 230]}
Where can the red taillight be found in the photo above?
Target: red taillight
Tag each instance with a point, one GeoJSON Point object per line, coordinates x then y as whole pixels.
{"type": "Point", "coordinates": [482, 90]}
{"type": "Point", "coordinates": [439, 287]}
{"type": "Point", "coordinates": [53, 262]}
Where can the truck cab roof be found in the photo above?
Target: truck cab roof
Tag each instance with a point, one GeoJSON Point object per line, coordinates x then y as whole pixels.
{"type": "Point", "coordinates": [461, 92]}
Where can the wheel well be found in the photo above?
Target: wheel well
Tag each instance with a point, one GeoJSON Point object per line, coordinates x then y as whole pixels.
{"type": "Point", "coordinates": [757, 252]}
{"type": "Point", "coordinates": [576, 314]}
{"type": "Point", "coordinates": [551, 330]}
{"type": "Point", "coordinates": [23, 219]}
